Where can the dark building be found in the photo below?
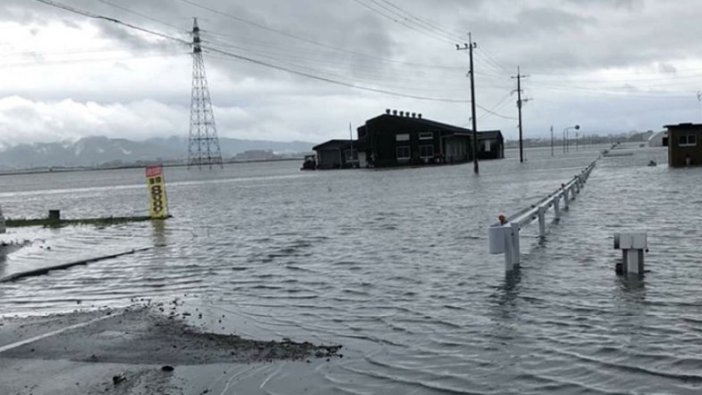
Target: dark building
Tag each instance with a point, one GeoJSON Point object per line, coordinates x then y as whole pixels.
{"type": "Point", "coordinates": [684, 147]}
{"type": "Point", "coordinates": [336, 154]}
{"type": "Point", "coordinates": [404, 138]}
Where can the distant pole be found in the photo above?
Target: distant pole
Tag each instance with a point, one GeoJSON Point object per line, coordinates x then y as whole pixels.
{"type": "Point", "coordinates": [351, 140]}
{"type": "Point", "coordinates": [551, 140]}
{"type": "Point", "coordinates": [470, 46]}
{"type": "Point", "coordinates": [565, 136]}
{"type": "Point", "coordinates": [519, 77]}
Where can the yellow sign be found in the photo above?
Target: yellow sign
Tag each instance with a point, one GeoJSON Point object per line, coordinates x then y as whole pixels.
{"type": "Point", "coordinates": [156, 184]}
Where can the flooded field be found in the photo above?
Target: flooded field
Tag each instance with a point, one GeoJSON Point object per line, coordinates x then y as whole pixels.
{"type": "Point", "coordinates": [393, 265]}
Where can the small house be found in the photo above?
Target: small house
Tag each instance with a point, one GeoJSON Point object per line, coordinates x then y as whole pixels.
{"type": "Point", "coordinates": [336, 154]}
{"type": "Point", "coordinates": [404, 138]}
{"type": "Point", "coordinates": [684, 145]}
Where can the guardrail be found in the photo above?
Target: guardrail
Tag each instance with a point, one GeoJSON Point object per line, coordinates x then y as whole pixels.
{"type": "Point", "coordinates": [503, 237]}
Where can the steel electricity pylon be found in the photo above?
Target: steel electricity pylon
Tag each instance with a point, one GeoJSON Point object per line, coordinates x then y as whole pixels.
{"type": "Point", "coordinates": [203, 146]}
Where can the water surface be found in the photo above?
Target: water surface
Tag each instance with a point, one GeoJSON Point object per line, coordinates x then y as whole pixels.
{"type": "Point", "coordinates": [393, 264]}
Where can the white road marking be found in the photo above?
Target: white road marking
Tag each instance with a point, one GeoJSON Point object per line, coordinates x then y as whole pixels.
{"type": "Point", "coordinates": [56, 332]}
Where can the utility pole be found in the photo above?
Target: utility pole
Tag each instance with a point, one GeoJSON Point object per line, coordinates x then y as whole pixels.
{"type": "Point", "coordinates": [519, 77]}
{"type": "Point", "coordinates": [551, 140]}
{"type": "Point", "coordinates": [351, 159]}
{"type": "Point", "coordinates": [470, 46]}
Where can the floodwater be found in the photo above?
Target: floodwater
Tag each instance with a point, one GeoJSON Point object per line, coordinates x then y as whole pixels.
{"type": "Point", "coordinates": [393, 265]}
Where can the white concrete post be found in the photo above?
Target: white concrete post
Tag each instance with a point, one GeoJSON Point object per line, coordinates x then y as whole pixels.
{"type": "Point", "coordinates": [633, 246]}
{"type": "Point", "coordinates": [566, 199]}
{"type": "Point", "coordinates": [515, 243]}
{"type": "Point", "coordinates": [634, 261]}
{"type": "Point", "coordinates": [509, 250]}
{"type": "Point", "coordinates": [557, 206]}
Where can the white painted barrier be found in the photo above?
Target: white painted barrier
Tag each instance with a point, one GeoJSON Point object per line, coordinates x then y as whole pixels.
{"type": "Point", "coordinates": [503, 238]}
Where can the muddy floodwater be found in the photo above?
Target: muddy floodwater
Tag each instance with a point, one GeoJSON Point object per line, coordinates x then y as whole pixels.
{"type": "Point", "coordinates": [394, 266]}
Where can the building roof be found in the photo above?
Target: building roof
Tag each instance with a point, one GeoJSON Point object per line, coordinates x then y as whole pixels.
{"type": "Point", "coordinates": [428, 123]}
{"type": "Point", "coordinates": [332, 145]}
{"type": "Point", "coordinates": [483, 135]}
{"type": "Point", "coordinates": [420, 121]}
{"type": "Point", "coordinates": [687, 125]}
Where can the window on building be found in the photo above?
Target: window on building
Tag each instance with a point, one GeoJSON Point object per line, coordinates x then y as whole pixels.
{"type": "Point", "coordinates": [403, 152]}
{"type": "Point", "coordinates": [487, 146]}
{"type": "Point", "coordinates": [402, 137]}
{"type": "Point", "coordinates": [426, 151]}
{"type": "Point", "coordinates": [426, 136]}
{"type": "Point", "coordinates": [687, 140]}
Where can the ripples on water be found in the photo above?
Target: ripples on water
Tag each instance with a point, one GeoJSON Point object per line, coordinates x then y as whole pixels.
{"type": "Point", "coordinates": [393, 265]}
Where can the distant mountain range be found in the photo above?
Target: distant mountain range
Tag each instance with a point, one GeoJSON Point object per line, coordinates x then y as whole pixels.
{"type": "Point", "coordinates": [103, 151]}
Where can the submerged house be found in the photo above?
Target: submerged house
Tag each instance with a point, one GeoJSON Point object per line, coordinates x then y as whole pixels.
{"type": "Point", "coordinates": [684, 145]}
{"type": "Point", "coordinates": [404, 138]}
{"type": "Point", "coordinates": [336, 154]}
{"type": "Point", "coordinates": [659, 139]}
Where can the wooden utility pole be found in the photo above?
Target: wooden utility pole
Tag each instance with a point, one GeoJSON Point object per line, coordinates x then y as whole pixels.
{"type": "Point", "coordinates": [519, 77]}
{"type": "Point", "coordinates": [470, 46]}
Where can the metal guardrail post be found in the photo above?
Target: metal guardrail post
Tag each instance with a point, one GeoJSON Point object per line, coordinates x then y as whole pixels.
{"type": "Point", "coordinates": [542, 221]}
{"type": "Point", "coordinates": [503, 238]}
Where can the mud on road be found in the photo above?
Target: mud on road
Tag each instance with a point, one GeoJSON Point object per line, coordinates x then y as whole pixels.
{"type": "Point", "coordinates": [148, 343]}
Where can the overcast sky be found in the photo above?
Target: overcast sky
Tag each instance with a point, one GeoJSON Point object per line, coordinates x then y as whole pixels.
{"type": "Point", "coordinates": [608, 65]}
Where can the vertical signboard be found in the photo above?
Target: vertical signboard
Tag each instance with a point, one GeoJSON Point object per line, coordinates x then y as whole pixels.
{"type": "Point", "coordinates": [156, 184]}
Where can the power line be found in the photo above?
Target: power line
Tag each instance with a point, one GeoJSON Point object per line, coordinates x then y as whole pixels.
{"type": "Point", "coordinates": [412, 20]}
{"type": "Point", "coordinates": [425, 22]}
{"type": "Point", "coordinates": [399, 19]}
{"type": "Point", "coordinates": [306, 40]}
{"type": "Point", "coordinates": [269, 44]}
{"type": "Point", "coordinates": [500, 103]}
{"type": "Point", "coordinates": [493, 61]}
{"type": "Point", "coordinates": [333, 81]}
{"type": "Point", "coordinates": [113, 20]}
{"type": "Point", "coordinates": [254, 61]}
{"type": "Point", "coordinates": [143, 15]}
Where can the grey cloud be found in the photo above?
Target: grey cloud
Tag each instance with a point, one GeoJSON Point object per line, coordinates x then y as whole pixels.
{"type": "Point", "coordinates": [544, 36]}
{"type": "Point", "coordinates": [545, 20]}
{"type": "Point", "coordinates": [617, 4]}
{"type": "Point", "coordinates": [667, 68]}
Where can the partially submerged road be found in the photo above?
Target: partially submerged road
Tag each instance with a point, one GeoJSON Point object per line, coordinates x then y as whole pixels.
{"type": "Point", "coordinates": [128, 351]}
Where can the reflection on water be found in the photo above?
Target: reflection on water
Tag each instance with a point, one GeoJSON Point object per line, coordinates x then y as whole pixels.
{"type": "Point", "coordinates": [394, 265]}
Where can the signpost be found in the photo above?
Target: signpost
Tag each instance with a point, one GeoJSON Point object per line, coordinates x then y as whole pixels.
{"type": "Point", "coordinates": [156, 185]}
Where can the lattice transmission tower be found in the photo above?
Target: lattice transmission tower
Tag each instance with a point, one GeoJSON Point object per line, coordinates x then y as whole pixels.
{"type": "Point", "coordinates": [203, 146]}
